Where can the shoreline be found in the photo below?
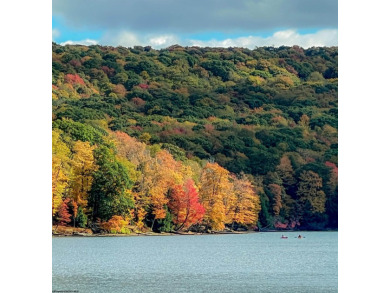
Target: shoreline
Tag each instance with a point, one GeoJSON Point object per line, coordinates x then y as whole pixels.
{"type": "Point", "coordinates": [148, 234]}
{"type": "Point", "coordinates": [76, 234]}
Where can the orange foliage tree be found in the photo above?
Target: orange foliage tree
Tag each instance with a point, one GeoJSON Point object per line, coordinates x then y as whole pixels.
{"type": "Point", "coordinates": [63, 213]}
{"type": "Point", "coordinates": [117, 224]}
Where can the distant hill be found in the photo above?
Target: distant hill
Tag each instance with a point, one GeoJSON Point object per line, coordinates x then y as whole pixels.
{"type": "Point", "coordinates": [268, 116]}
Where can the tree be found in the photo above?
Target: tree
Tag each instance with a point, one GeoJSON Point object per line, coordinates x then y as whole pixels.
{"type": "Point", "coordinates": [285, 171]}
{"type": "Point", "coordinates": [165, 173]}
{"type": "Point", "coordinates": [215, 192]}
{"type": "Point", "coordinates": [333, 180]}
{"type": "Point", "coordinates": [81, 218]}
{"type": "Point", "coordinates": [110, 191]}
{"type": "Point", "coordinates": [119, 90]}
{"type": "Point", "coordinates": [64, 216]}
{"type": "Point", "coordinates": [132, 149]}
{"type": "Point", "coordinates": [246, 202]}
{"type": "Point", "coordinates": [309, 190]}
{"type": "Point", "coordinates": [276, 191]}
{"type": "Point", "coordinates": [185, 206]}
{"type": "Point", "coordinates": [60, 169]}
{"type": "Point", "coordinates": [117, 224]}
{"type": "Point", "coordinates": [83, 166]}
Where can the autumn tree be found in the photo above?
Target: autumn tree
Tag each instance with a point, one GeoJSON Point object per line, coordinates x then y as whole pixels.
{"type": "Point", "coordinates": [185, 206]}
{"type": "Point", "coordinates": [215, 193]}
{"type": "Point", "coordinates": [64, 217]}
{"type": "Point", "coordinates": [60, 169]}
{"type": "Point", "coordinates": [83, 166]}
{"type": "Point", "coordinates": [309, 190]}
{"type": "Point", "coordinates": [333, 180]}
{"type": "Point", "coordinates": [119, 90]}
{"type": "Point", "coordinates": [285, 171]}
{"type": "Point", "coordinates": [139, 155]}
{"type": "Point", "coordinates": [117, 224]}
{"type": "Point", "coordinates": [246, 202]}
{"type": "Point", "coordinates": [276, 192]}
{"type": "Point", "coordinates": [132, 149]}
{"type": "Point", "coordinates": [165, 173]}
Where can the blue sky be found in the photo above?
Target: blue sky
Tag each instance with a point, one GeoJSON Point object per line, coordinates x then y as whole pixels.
{"type": "Point", "coordinates": [221, 23]}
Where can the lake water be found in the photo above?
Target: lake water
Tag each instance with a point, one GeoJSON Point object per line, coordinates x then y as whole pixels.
{"type": "Point", "coordinates": [255, 262]}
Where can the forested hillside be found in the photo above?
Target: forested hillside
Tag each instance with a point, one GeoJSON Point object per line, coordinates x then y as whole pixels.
{"type": "Point", "coordinates": [194, 138]}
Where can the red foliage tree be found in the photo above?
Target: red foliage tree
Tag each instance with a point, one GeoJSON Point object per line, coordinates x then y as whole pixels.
{"type": "Point", "coordinates": [74, 79]}
{"type": "Point", "coordinates": [143, 86]}
{"type": "Point", "coordinates": [332, 183]}
{"type": "Point", "coordinates": [63, 213]}
{"type": "Point", "coordinates": [185, 206]}
{"type": "Point", "coordinates": [333, 166]}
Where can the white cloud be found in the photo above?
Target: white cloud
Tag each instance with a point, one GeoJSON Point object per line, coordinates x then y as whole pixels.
{"type": "Point", "coordinates": [163, 41]}
{"type": "Point", "coordinates": [130, 39]}
{"type": "Point", "coordinates": [55, 33]}
{"type": "Point", "coordinates": [281, 38]}
{"type": "Point", "coordinates": [86, 42]}
{"type": "Point", "coordinates": [123, 38]}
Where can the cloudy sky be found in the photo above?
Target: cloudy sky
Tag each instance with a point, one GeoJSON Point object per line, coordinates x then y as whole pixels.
{"type": "Point", "coordinates": [217, 23]}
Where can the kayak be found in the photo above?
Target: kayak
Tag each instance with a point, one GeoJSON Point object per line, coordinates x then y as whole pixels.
{"type": "Point", "coordinates": [284, 237]}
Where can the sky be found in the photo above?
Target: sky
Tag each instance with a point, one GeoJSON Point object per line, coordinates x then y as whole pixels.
{"type": "Point", "coordinates": [212, 23]}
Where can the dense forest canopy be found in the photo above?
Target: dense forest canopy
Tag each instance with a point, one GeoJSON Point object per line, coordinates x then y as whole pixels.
{"type": "Point", "coordinates": [194, 138]}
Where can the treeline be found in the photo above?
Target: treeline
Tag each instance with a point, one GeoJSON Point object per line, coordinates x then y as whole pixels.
{"type": "Point", "coordinates": [194, 138]}
{"type": "Point", "coordinates": [124, 183]}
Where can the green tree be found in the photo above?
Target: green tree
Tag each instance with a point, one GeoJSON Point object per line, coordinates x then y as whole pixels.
{"type": "Point", "coordinates": [109, 194]}
{"type": "Point", "coordinates": [81, 218]}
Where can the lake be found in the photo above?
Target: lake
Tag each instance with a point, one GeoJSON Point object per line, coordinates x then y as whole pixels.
{"type": "Point", "coordinates": [254, 262]}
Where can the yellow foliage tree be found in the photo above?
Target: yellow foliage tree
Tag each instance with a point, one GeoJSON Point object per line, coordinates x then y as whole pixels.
{"type": "Point", "coordinates": [60, 169]}
{"type": "Point", "coordinates": [215, 192]}
{"type": "Point", "coordinates": [83, 166]}
{"type": "Point", "coordinates": [246, 203]}
{"type": "Point", "coordinates": [309, 189]}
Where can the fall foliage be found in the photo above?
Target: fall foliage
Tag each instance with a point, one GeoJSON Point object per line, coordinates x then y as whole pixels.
{"type": "Point", "coordinates": [201, 139]}
{"type": "Point", "coordinates": [185, 206]}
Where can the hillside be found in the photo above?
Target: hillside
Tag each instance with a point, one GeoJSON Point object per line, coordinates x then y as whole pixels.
{"type": "Point", "coordinates": [194, 138]}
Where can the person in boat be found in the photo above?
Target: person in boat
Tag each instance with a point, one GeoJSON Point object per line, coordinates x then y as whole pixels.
{"type": "Point", "coordinates": [299, 236]}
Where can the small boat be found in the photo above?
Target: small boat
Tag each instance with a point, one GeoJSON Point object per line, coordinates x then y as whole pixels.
{"type": "Point", "coordinates": [284, 237]}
